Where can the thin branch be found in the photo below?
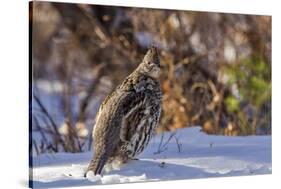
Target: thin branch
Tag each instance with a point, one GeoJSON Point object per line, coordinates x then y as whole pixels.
{"type": "Point", "coordinates": [164, 147]}
{"type": "Point", "coordinates": [179, 145]}
{"type": "Point", "coordinates": [40, 130]}
{"type": "Point", "coordinates": [53, 124]}
{"type": "Point", "coordinates": [35, 146]}
{"type": "Point", "coordinates": [99, 71]}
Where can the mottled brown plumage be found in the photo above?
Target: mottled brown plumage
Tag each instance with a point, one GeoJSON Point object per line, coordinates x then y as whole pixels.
{"type": "Point", "coordinates": [128, 116]}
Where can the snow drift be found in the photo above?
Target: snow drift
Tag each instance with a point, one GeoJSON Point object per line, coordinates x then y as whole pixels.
{"type": "Point", "coordinates": [184, 154]}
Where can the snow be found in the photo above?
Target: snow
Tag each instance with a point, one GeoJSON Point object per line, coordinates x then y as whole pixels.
{"type": "Point", "coordinates": [189, 154]}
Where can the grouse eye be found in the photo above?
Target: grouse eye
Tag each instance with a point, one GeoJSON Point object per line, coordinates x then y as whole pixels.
{"type": "Point", "coordinates": [149, 63]}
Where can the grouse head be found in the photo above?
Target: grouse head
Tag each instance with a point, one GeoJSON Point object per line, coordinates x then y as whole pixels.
{"type": "Point", "coordinates": [150, 65]}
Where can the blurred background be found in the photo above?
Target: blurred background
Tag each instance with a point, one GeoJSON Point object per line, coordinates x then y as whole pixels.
{"type": "Point", "coordinates": [216, 69]}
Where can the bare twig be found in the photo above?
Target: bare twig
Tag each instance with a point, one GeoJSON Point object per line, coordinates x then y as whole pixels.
{"type": "Point", "coordinates": [164, 146]}
{"type": "Point", "coordinates": [53, 124]}
{"type": "Point", "coordinates": [179, 145]}
{"type": "Point", "coordinates": [99, 71]}
{"type": "Point", "coordinates": [36, 147]}
{"type": "Point", "coordinates": [40, 130]}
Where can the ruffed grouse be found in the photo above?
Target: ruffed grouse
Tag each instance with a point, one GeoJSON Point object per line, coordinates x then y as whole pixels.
{"type": "Point", "coordinates": [128, 116]}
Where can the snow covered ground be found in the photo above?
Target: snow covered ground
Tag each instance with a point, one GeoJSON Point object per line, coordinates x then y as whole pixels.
{"type": "Point", "coordinates": [189, 154]}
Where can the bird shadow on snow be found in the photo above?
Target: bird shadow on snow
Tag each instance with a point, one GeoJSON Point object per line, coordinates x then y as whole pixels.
{"type": "Point", "coordinates": [160, 171]}
{"type": "Point", "coordinates": [144, 169]}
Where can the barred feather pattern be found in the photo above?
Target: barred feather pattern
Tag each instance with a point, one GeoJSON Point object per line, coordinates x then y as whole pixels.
{"type": "Point", "coordinates": [128, 116]}
{"type": "Point", "coordinates": [140, 122]}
